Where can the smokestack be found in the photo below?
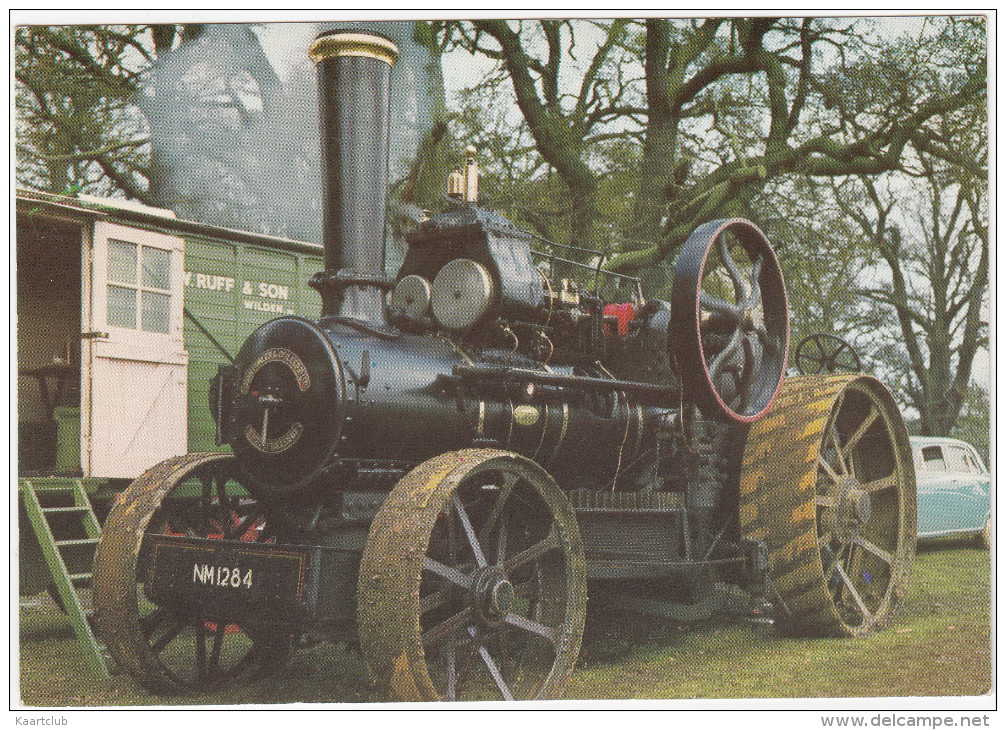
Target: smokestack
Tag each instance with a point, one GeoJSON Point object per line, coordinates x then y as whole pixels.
{"type": "Point", "coordinates": [354, 87]}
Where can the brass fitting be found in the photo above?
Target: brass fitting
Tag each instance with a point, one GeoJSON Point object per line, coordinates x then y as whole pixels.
{"type": "Point", "coordinates": [337, 44]}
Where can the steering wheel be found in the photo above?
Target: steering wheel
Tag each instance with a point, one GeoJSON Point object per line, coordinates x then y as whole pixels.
{"type": "Point", "coordinates": [729, 321]}
{"type": "Point", "coordinates": [823, 353]}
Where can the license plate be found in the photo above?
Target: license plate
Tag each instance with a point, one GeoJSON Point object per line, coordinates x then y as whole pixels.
{"type": "Point", "coordinates": [231, 580]}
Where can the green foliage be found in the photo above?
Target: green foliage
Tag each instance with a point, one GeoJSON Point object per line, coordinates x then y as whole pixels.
{"type": "Point", "coordinates": [77, 120]}
{"type": "Point", "coordinates": [974, 420]}
{"type": "Point", "coordinates": [717, 108]}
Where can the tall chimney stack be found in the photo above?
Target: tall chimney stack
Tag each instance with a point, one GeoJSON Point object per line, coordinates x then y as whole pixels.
{"type": "Point", "coordinates": [354, 90]}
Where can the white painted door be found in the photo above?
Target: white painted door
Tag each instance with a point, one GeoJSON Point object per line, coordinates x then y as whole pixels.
{"type": "Point", "coordinates": [135, 404]}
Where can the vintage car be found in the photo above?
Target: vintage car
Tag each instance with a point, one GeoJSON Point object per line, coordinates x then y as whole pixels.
{"type": "Point", "coordinates": [953, 488]}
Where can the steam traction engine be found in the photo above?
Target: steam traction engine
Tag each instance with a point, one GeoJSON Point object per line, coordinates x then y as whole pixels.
{"type": "Point", "coordinates": [442, 462]}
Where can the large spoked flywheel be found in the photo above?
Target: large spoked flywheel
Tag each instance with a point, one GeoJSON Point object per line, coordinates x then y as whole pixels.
{"type": "Point", "coordinates": [472, 584]}
{"type": "Point", "coordinates": [163, 650]}
{"type": "Point", "coordinates": [828, 483]}
{"type": "Point", "coordinates": [729, 322]}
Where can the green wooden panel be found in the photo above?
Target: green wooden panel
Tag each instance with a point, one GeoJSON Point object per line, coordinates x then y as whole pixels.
{"type": "Point", "coordinates": [231, 288]}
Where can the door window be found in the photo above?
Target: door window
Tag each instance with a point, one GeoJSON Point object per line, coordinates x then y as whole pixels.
{"type": "Point", "coordinates": [139, 281]}
{"type": "Point", "coordinates": [957, 459]}
{"type": "Point", "coordinates": [932, 459]}
{"type": "Point", "coordinates": [975, 462]}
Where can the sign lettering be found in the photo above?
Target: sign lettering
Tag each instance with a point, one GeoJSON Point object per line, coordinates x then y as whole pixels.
{"type": "Point", "coordinates": [221, 576]}
{"type": "Point", "coordinates": [258, 296]}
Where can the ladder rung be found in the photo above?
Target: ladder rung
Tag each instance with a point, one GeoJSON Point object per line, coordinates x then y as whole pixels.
{"type": "Point", "coordinates": [77, 577]}
{"type": "Point", "coordinates": [84, 541]}
{"type": "Point", "coordinates": [65, 509]}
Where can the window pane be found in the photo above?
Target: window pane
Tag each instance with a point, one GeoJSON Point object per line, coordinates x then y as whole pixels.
{"type": "Point", "coordinates": [976, 464]}
{"type": "Point", "coordinates": [957, 459]}
{"type": "Point", "coordinates": [121, 262]}
{"type": "Point", "coordinates": [155, 312]}
{"type": "Point", "coordinates": [933, 457]}
{"type": "Point", "coordinates": [156, 268]}
{"type": "Point", "coordinates": [121, 307]}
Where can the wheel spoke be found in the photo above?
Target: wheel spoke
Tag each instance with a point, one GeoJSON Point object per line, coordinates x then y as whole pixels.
{"type": "Point", "coordinates": [748, 371]}
{"type": "Point", "coordinates": [446, 628]}
{"type": "Point", "coordinates": [446, 572]}
{"type": "Point", "coordinates": [494, 672]}
{"type": "Point", "coordinates": [167, 637]}
{"type": "Point", "coordinates": [452, 545]}
{"type": "Point", "coordinates": [201, 650]}
{"type": "Point", "coordinates": [501, 539]}
{"type": "Point", "coordinates": [719, 306]}
{"type": "Point", "coordinates": [824, 539]}
{"type": "Point", "coordinates": [853, 592]}
{"type": "Point", "coordinates": [727, 352]}
{"type": "Point", "coordinates": [247, 526]}
{"type": "Point", "coordinates": [218, 642]}
{"type": "Point", "coordinates": [833, 564]}
{"type": "Point", "coordinates": [150, 622]}
{"type": "Point", "coordinates": [207, 484]}
{"type": "Point", "coordinates": [833, 355]}
{"type": "Point", "coordinates": [220, 482]}
{"type": "Point", "coordinates": [473, 541]}
{"type": "Point", "coordinates": [891, 480]}
{"type": "Point", "coordinates": [832, 434]}
{"type": "Point", "coordinates": [754, 295]}
{"type": "Point", "coordinates": [875, 549]}
{"type": "Point", "coordinates": [452, 671]}
{"type": "Point", "coordinates": [827, 468]}
{"type": "Point", "coordinates": [823, 500]}
{"type": "Point", "coordinates": [821, 351]}
{"type": "Point", "coordinates": [860, 432]}
{"type": "Point", "coordinates": [509, 481]}
{"type": "Point", "coordinates": [466, 669]}
{"type": "Point", "coordinates": [531, 626]}
{"type": "Point", "coordinates": [434, 600]}
{"type": "Point", "coordinates": [551, 542]}
{"type": "Point", "coordinates": [740, 286]}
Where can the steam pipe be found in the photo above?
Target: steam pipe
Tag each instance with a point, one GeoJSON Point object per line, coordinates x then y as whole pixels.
{"type": "Point", "coordinates": [354, 91]}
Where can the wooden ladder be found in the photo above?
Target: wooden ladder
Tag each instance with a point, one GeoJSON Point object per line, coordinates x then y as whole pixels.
{"type": "Point", "coordinates": [68, 533]}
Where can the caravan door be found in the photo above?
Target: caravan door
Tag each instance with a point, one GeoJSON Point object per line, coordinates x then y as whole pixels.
{"type": "Point", "coordinates": [136, 366]}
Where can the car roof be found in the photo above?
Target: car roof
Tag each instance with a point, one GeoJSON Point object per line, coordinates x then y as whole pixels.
{"type": "Point", "coordinates": [936, 441]}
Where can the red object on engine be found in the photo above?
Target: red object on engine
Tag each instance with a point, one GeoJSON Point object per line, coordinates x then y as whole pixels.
{"type": "Point", "coordinates": [625, 314]}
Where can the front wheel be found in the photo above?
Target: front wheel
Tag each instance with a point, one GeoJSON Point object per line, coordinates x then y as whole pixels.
{"type": "Point", "coordinates": [473, 582]}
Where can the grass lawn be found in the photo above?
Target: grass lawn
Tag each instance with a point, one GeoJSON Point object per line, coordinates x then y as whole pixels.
{"type": "Point", "coordinates": [938, 645]}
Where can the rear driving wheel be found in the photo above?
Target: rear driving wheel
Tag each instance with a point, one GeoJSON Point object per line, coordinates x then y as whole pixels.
{"type": "Point", "coordinates": [828, 483]}
{"type": "Point", "coordinates": [472, 584]}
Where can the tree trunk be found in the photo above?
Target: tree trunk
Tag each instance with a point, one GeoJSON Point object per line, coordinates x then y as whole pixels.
{"type": "Point", "coordinates": [658, 175]}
